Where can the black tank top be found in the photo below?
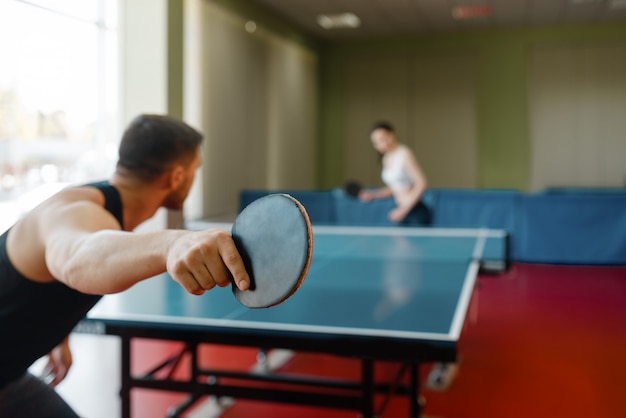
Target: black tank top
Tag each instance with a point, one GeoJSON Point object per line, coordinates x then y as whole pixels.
{"type": "Point", "coordinates": [36, 317]}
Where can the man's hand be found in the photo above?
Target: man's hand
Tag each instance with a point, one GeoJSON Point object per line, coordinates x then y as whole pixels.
{"type": "Point", "coordinates": [199, 261]}
{"type": "Point", "coordinates": [59, 363]}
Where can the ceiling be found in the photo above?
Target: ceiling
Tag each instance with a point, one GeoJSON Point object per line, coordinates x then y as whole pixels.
{"type": "Point", "coordinates": [394, 18]}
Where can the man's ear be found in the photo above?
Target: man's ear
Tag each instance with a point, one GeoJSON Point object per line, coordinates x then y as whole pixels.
{"type": "Point", "coordinates": [177, 176]}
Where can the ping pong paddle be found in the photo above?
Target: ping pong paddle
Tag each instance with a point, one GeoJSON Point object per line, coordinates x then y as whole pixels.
{"type": "Point", "coordinates": [352, 188]}
{"type": "Point", "coordinates": [274, 236]}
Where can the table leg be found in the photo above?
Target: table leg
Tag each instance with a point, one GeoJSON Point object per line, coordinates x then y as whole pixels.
{"type": "Point", "coordinates": [368, 388]}
{"type": "Point", "coordinates": [416, 407]}
{"type": "Point", "coordinates": [125, 389]}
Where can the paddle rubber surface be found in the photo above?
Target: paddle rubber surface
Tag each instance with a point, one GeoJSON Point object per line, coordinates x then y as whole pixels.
{"type": "Point", "coordinates": [275, 239]}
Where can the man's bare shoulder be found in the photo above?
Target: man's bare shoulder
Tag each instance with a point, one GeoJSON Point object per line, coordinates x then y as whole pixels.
{"type": "Point", "coordinates": [74, 207]}
{"type": "Point", "coordinates": [78, 194]}
{"type": "Point", "coordinates": [69, 211]}
{"type": "Point", "coordinates": [77, 206]}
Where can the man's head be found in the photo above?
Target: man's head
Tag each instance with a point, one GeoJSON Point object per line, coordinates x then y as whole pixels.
{"type": "Point", "coordinates": [153, 144]}
{"type": "Point", "coordinates": [156, 147]}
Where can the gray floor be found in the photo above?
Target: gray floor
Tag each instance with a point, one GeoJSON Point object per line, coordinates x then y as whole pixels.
{"type": "Point", "coordinates": [92, 385]}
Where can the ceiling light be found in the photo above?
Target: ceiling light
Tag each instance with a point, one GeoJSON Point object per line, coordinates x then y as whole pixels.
{"type": "Point", "coordinates": [471, 12]}
{"type": "Point", "coordinates": [342, 20]}
{"type": "Point", "coordinates": [250, 26]}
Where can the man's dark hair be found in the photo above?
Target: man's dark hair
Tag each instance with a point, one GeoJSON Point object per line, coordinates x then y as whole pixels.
{"type": "Point", "coordinates": [152, 144]}
{"type": "Point", "coordinates": [383, 125]}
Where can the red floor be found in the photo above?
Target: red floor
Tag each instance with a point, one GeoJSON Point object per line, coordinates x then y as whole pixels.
{"type": "Point", "coordinates": [541, 341]}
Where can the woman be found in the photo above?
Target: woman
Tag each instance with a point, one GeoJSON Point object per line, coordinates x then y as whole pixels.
{"type": "Point", "coordinates": [403, 177]}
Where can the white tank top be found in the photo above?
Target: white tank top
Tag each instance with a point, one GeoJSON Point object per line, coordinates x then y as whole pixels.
{"type": "Point", "coordinates": [394, 175]}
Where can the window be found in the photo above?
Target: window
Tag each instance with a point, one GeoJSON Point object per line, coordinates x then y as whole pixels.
{"type": "Point", "coordinates": [58, 98]}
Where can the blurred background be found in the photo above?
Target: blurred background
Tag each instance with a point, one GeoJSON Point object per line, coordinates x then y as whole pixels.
{"type": "Point", "coordinates": [519, 94]}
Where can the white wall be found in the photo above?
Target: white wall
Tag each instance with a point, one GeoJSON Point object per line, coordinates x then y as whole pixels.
{"type": "Point", "coordinates": [143, 57]}
{"type": "Point", "coordinates": [143, 62]}
{"type": "Point", "coordinates": [253, 95]}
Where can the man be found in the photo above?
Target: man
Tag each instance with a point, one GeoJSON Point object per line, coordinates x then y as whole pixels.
{"type": "Point", "coordinates": [57, 261]}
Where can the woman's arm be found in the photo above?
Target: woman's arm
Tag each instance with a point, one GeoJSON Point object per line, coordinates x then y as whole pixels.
{"type": "Point", "coordinates": [373, 194]}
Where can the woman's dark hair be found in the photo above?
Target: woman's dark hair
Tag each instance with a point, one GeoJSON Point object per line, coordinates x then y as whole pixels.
{"type": "Point", "coordinates": [383, 125]}
{"type": "Point", "coordinates": [152, 144]}
{"type": "Point", "coordinates": [387, 127]}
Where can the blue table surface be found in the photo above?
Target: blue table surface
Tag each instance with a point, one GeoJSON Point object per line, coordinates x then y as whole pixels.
{"type": "Point", "coordinates": [379, 282]}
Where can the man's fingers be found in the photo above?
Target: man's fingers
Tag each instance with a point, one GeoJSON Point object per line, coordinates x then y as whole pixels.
{"type": "Point", "coordinates": [58, 365]}
{"type": "Point", "coordinates": [48, 374]}
{"type": "Point", "coordinates": [209, 269]}
{"type": "Point", "coordinates": [182, 275]}
{"type": "Point", "coordinates": [202, 275]}
{"type": "Point", "coordinates": [234, 263]}
{"type": "Point", "coordinates": [206, 260]}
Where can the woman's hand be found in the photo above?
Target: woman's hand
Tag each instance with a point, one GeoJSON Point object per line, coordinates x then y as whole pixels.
{"type": "Point", "coordinates": [367, 195]}
{"type": "Point", "coordinates": [373, 194]}
{"type": "Point", "coordinates": [398, 214]}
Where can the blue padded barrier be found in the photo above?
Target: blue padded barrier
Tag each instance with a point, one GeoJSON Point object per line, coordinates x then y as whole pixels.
{"type": "Point", "coordinates": [494, 209]}
{"type": "Point", "coordinates": [248, 196]}
{"type": "Point", "coordinates": [318, 203]}
{"type": "Point", "coordinates": [572, 229]}
{"type": "Point", "coordinates": [497, 209]}
{"type": "Point", "coordinates": [351, 211]}
{"type": "Point", "coordinates": [555, 226]}
{"type": "Point", "coordinates": [586, 191]}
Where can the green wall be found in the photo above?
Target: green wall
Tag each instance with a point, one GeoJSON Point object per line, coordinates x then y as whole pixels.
{"type": "Point", "coordinates": [502, 103]}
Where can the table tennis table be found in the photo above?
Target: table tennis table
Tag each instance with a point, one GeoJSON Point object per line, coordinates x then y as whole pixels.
{"type": "Point", "coordinates": [376, 294]}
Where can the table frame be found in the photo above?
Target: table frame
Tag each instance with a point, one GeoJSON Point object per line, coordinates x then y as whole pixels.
{"type": "Point", "coordinates": [336, 393]}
